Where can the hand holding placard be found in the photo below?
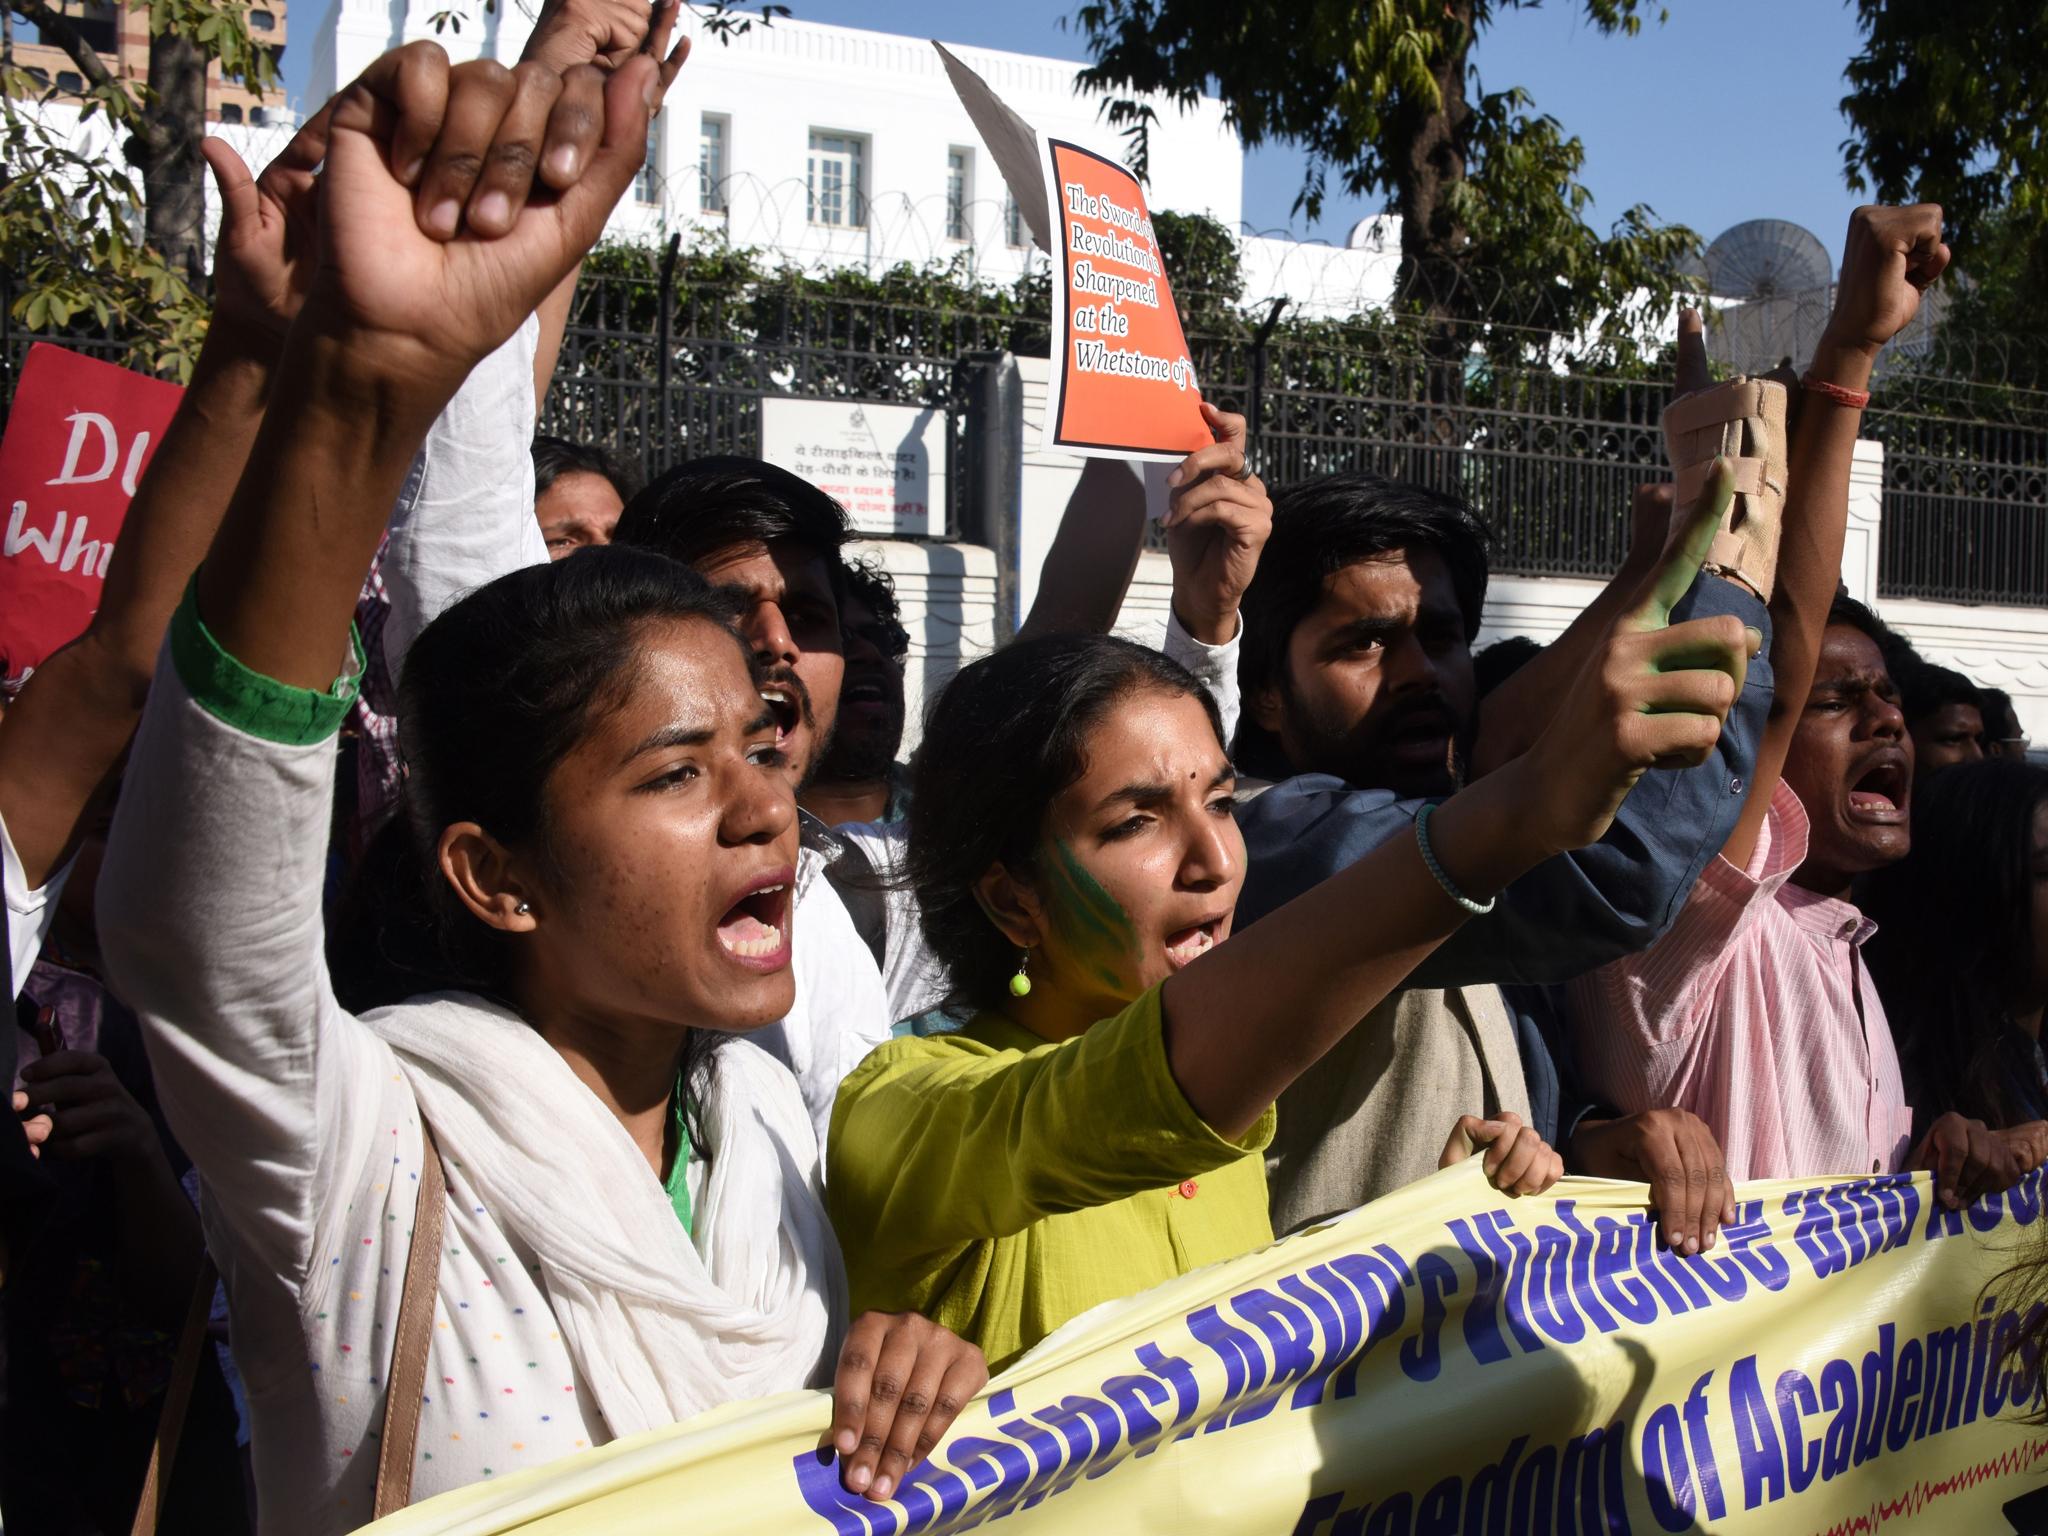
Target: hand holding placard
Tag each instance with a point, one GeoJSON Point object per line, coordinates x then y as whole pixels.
{"type": "Point", "coordinates": [1122, 383]}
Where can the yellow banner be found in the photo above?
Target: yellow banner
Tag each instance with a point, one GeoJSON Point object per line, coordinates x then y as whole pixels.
{"type": "Point", "coordinates": [1444, 1362]}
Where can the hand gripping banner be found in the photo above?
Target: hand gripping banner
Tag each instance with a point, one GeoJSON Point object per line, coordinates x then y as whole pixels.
{"type": "Point", "coordinates": [1443, 1362]}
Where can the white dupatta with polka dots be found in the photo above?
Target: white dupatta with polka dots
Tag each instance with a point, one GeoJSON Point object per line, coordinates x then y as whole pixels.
{"type": "Point", "coordinates": [662, 1326]}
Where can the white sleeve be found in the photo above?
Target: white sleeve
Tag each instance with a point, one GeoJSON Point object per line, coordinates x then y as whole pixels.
{"type": "Point", "coordinates": [1214, 666]}
{"type": "Point", "coordinates": [913, 980]}
{"type": "Point", "coordinates": [465, 516]}
{"type": "Point", "coordinates": [840, 1013]}
{"type": "Point", "coordinates": [210, 929]}
{"type": "Point", "coordinates": [28, 912]}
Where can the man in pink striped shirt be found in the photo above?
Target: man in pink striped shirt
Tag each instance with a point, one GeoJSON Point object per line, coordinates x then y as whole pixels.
{"type": "Point", "coordinates": [1754, 1010]}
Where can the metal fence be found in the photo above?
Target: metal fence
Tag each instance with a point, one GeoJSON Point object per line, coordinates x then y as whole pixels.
{"type": "Point", "coordinates": [1549, 460]}
{"type": "Point", "coordinates": [1965, 499]}
{"type": "Point", "coordinates": [1549, 457]}
{"type": "Point", "coordinates": [658, 374]}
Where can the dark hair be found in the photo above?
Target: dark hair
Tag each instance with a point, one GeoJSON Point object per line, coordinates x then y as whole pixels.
{"type": "Point", "coordinates": [706, 505]}
{"type": "Point", "coordinates": [2001, 720]}
{"type": "Point", "coordinates": [1929, 687]}
{"type": "Point", "coordinates": [554, 457]}
{"type": "Point", "coordinates": [1847, 611]}
{"type": "Point", "coordinates": [1322, 526]}
{"type": "Point", "coordinates": [1954, 938]}
{"type": "Point", "coordinates": [1502, 660]}
{"type": "Point", "coordinates": [875, 588]}
{"type": "Point", "coordinates": [494, 694]}
{"type": "Point", "coordinates": [1901, 661]}
{"type": "Point", "coordinates": [1007, 735]}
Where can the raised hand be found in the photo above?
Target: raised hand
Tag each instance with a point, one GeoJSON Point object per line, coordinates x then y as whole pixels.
{"type": "Point", "coordinates": [1216, 525]}
{"type": "Point", "coordinates": [601, 32]}
{"type": "Point", "coordinates": [1655, 694]}
{"type": "Point", "coordinates": [1892, 257]}
{"type": "Point", "coordinates": [421, 296]}
{"type": "Point", "coordinates": [264, 261]}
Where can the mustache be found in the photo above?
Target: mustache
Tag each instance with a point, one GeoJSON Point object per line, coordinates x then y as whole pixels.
{"type": "Point", "coordinates": [1432, 709]}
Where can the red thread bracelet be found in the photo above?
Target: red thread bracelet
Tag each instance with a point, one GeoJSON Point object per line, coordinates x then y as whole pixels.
{"type": "Point", "coordinates": [1854, 399]}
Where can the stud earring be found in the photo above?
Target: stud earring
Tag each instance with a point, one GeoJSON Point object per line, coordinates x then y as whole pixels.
{"type": "Point", "coordinates": [1020, 984]}
{"type": "Point", "coordinates": [522, 909]}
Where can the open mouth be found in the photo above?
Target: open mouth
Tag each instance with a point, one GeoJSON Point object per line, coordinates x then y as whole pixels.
{"type": "Point", "coordinates": [755, 929]}
{"type": "Point", "coordinates": [861, 693]}
{"type": "Point", "coordinates": [782, 705]}
{"type": "Point", "coordinates": [1194, 941]}
{"type": "Point", "coordinates": [1423, 738]}
{"type": "Point", "coordinates": [1879, 793]}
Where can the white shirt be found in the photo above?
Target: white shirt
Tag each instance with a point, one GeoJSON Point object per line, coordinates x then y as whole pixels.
{"type": "Point", "coordinates": [839, 1014]}
{"type": "Point", "coordinates": [29, 912]}
{"type": "Point", "coordinates": [913, 980]}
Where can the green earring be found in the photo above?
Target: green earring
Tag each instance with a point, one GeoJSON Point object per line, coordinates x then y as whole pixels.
{"type": "Point", "coordinates": [1020, 984]}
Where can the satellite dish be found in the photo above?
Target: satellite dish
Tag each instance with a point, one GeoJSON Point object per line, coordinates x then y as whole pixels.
{"type": "Point", "coordinates": [1368, 234]}
{"type": "Point", "coordinates": [1765, 258]}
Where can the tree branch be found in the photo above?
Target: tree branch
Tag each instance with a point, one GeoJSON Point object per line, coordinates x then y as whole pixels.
{"type": "Point", "coordinates": [55, 27]}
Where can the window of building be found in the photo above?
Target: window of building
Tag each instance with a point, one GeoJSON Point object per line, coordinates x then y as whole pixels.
{"type": "Point", "coordinates": [262, 21]}
{"type": "Point", "coordinates": [70, 80]}
{"type": "Point", "coordinates": [1013, 222]}
{"type": "Point", "coordinates": [99, 26]}
{"type": "Point", "coordinates": [711, 172]}
{"type": "Point", "coordinates": [40, 75]}
{"type": "Point", "coordinates": [837, 181]}
{"type": "Point", "coordinates": [230, 112]}
{"type": "Point", "coordinates": [259, 117]}
{"type": "Point", "coordinates": [647, 185]}
{"type": "Point", "coordinates": [959, 189]}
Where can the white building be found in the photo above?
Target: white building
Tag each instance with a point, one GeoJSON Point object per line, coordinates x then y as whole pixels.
{"type": "Point", "coordinates": [831, 146]}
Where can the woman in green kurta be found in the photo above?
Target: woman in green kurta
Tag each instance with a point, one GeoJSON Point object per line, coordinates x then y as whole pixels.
{"type": "Point", "coordinates": [1096, 1127]}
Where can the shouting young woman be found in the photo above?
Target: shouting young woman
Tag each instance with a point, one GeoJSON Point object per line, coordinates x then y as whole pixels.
{"type": "Point", "coordinates": [633, 1228]}
{"type": "Point", "coordinates": [1096, 1127]}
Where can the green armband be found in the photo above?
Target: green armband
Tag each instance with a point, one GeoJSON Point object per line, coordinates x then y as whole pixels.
{"type": "Point", "coordinates": [247, 700]}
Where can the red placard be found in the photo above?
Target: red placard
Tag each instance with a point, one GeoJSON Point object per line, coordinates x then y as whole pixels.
{"type": "Point", "coordinates": [78, 438]}
{"type": "Point", "coordinates": [1122, 383]}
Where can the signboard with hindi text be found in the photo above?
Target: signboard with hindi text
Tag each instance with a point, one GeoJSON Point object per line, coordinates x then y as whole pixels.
{"type": "Point", "coordinates": [79, 435]}
{"type": "Point", "coordinates": [886, 464]}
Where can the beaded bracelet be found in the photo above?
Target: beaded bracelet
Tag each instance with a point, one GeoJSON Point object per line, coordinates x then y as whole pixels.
{"type": "Point", "coordinates": [1854, 399]}
{"type": "Point", "coordinates": [1477, 909]}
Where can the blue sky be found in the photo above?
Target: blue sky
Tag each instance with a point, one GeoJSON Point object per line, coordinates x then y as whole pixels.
{"type": "Point", "coordinates": [1728, 111]}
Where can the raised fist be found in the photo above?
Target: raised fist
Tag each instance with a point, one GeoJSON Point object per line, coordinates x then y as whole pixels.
{"type": "Point", "coordinates": [1892, 256]}
{"type": "Point", "coordinates": [601, 32]}
{"type": "Point", "coordinates": [436, 237]}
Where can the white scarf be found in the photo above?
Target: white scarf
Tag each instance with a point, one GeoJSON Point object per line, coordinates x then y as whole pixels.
{"type": "Point", "coordinates": [659, 1331]}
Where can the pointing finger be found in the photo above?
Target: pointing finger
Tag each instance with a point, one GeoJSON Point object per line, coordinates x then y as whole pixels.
{"type": "Point", "coordinates": [1688, 551]}
{"type": "Point", "coordinates": [1692, 352]}
{"type": "Point", "coordinates": [239, 202]}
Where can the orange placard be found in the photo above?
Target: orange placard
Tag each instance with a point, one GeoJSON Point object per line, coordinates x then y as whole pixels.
{"type": "Point", "coordinates": [1122, 383]}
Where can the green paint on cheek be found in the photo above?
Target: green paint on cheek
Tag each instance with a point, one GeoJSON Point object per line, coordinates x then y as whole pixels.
{"type": "Point", "coordinates": [1089, 919]}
